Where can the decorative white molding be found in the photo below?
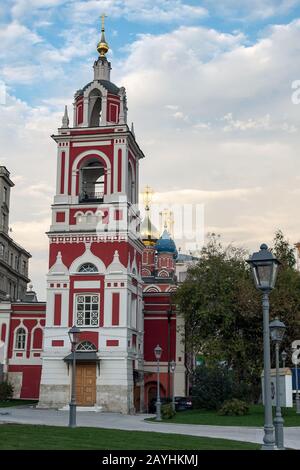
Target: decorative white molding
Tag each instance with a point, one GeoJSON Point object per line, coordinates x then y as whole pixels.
{"type": "Point", "coordinates": [91, 143]}
{"type": "Point", "coordinates": [87, 257]}
{"type": "Point", "coordinates": [116, 267]}
{"type": "Point", "coordinates": [58, 268]}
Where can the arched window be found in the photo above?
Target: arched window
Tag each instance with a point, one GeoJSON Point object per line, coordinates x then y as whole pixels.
{"type": "Point", "coordinates": [95, 105]}
{"type": "Point", "coordinates": [87, 268]}
{"type": "Point", "coordinates": [86, 346]}
{"type": "Point", "coordinates": [20, 338]}
{"type": "Point", "coordinates": [92, 177]}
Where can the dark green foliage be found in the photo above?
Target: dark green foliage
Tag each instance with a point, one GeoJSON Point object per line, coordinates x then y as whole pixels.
{"type": "Point", "coordinates": [167, 411]}
{"type": "Point", "coordinates": [222, 309]}
{"type": "Point", "coordinates": [6, 391]}
{"type": "Point", "coordinates": [214, 385]}
{"type": "Point", "coordinates": [234, 407]}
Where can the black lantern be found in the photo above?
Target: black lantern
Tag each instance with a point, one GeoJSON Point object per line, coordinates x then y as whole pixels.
{"type": "Point", "coordinates": [74, 335]}
{"type": "Point", "coordinates": [264, 267]}
{"type": "Point", "coordinates": [173, 366]}
{"type": "Point", "coordinates": [157, 352]}
{"type": "Point", "coordinates": [277, 330]}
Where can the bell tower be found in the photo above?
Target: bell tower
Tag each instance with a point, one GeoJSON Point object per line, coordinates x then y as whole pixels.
{"type": "Point", "coordinates": [95, 253]}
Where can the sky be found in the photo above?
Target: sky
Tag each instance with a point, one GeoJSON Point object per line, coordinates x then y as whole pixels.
{"type": "Point", "coordinates": [210, 91]}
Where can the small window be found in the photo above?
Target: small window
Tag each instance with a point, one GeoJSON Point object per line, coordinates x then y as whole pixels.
{"type": "Point", "coordinates": [2, 249]}
{"type": "Point", "coordinates": [88, 268]}
{"type": "Point", "coordinates": [87, 310]}
{"type": "Point", "coordinates": [86, 346]}
{"type": "Point", "coordinates": [20, 339]}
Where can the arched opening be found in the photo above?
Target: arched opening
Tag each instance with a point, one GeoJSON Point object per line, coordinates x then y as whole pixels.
{"type": "Point", "coordinates": [95, 106]}
{"type": "Point", "coordinates": [92, 176]}
{"type": "Point", "coordinates": [86, 346]}
{"type": "Point", "coordinates": [131, 185]}
{"type": "Point", "coordinates": [87, 268]}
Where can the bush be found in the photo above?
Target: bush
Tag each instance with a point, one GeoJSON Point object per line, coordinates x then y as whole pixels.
{"type": "Point", "coordinates": [212, 386]}
{"type": "Point", "coordinates": [234, 408]}
{"type": "Point", "coordinates": [6, 391]}
{"type": "Point", "coordinates": [167, 411]}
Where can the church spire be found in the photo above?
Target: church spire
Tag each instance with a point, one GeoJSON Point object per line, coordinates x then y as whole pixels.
{"type": "Point", "coordinates": [65, 119]}
{"type": "Point", "coordinates": [102, 47]}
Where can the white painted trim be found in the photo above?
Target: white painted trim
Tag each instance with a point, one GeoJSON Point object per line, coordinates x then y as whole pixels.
{"type": "Point", "coordinates": [87, 284]}
{"type": "Point", "coordinates": [91, 143]}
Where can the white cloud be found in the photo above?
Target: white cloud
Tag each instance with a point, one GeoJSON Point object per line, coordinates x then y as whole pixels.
{"type": "Point", "coordinates": [154, 11]}
{"type": "Point", "coordinates": [254, 10]}
{"type": "Point", "coordinates": [246, 177]}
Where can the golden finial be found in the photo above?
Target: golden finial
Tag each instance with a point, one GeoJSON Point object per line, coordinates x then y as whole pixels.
{"type": "Point", "coordinates": [102, 47]}
{"type": "Point", "coordinates": [147, 196]}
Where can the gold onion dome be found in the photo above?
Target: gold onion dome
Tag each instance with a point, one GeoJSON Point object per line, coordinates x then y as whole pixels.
{"type": "Point", "coordinates": [149, 233]}
{"type": "Point", "coordinates": [102, 46]}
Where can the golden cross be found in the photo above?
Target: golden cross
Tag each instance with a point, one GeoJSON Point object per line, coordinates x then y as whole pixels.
{"type": "Point", "coordinates": [147, 195]}
{"type": "Point", "coordinates": [103, 16]}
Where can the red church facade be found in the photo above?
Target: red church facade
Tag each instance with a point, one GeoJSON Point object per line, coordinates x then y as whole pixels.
{"type": "Point", "coordinates": [105, 277]}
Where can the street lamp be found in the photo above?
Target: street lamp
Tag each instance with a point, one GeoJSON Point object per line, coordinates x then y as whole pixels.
{"type": "Point", "coordinates": [284, 356]}
{"type": "Point", "coordinates": [157, 353]}
{"type": "Point", "coordinates": [74, 335]}
{"type": "Point", "coordinates": [264, 268]}
{"type": "Point", "coordinates": [173, 367]}
{"type": "Point", "coordinates": [297, 383]}
{"type": "Point", "coordinates": [277, 330]}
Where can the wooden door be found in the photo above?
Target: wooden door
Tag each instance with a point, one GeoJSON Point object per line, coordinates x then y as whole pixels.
{"type": "Point", "coordinates": [137, 398]}
{"type": "Point", "coordinates": [86, 384]}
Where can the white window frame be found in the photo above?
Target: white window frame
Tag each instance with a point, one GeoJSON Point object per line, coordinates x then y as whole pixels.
{"type": "Point", "coordinates": [81, 322]}
{"type": "Point", "coordinates": [21, 327]}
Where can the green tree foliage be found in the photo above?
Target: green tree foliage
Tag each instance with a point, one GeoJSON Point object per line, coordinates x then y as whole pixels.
{"type": "Point", "coordinates": [222, 308]}
{"type": "Point", "coordinates": [214, 385]}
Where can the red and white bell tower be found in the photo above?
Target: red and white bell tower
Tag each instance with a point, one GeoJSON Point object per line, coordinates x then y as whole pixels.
{"type": "Point", "coordinates": [94, 278]}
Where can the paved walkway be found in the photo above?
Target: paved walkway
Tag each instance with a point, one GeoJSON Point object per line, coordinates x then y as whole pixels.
{"type": "Point", "coordinates": [28, 415]}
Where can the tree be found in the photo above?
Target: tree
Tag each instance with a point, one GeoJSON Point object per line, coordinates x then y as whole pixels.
{"type": "Point", "coordinates": [222, 308]}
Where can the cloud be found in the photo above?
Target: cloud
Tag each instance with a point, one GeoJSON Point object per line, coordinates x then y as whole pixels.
{"type": "Point", "coordinates": [153, 11]}
{"type": "Point", "coordinates": [212, 113]}
{"type": "Point", "coordinates": [255, 10]}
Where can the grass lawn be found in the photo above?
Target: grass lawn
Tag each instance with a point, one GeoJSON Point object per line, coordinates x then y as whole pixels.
{"type": "Point", "coordinates": [7, 403]}
{"type": "Point", "coordinates": [28, 437]}
{"type": "Point", "coordinates": [254, 418]}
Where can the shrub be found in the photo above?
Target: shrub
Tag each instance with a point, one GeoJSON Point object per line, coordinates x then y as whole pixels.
{"type": "Point", "coordinates": [167, 411]}
{"type": "Point", "coordinates": [6, 391]}
{"type": "Point", "coordinates": [234, 408]}
{"type": "Point", "coordinates": [212, 386]}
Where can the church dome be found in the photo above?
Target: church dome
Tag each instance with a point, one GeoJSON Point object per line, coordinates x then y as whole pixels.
{"type": "Point", "coordinates": [166, 244]}
{"type": "Point", "coordinates": [149, 233]}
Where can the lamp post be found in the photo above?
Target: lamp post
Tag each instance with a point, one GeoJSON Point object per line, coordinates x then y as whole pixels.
{"type": "Point", "coordinates": [157, 353]}
{"type": "Point", "coordinates": [284, 358]}
{"type": "Point", "coordinates": [277, 330]}
{"type": "Point", "coordinates": [264, 268]}
{"type": "Point", "coordinates": [297, 385]}
{"type": "Point", "coordinates": [74, 335]}
{"type": "Point", "coordinates": [173, 367]}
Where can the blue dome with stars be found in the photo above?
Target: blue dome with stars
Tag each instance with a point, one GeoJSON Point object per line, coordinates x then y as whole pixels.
{"type": "Point", "coordinates": [166, 245]}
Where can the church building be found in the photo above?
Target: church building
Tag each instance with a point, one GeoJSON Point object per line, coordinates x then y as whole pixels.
{"type": "Point", "coordinates": [107, 275]}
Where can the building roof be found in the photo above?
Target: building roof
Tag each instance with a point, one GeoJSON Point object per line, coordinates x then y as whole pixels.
{"type": "Point", "coordinates": [149, 232]}
{"type": "Point", "coordinates": [109, 86]}
{"type": "Point", "coordinates": [166, 244]}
